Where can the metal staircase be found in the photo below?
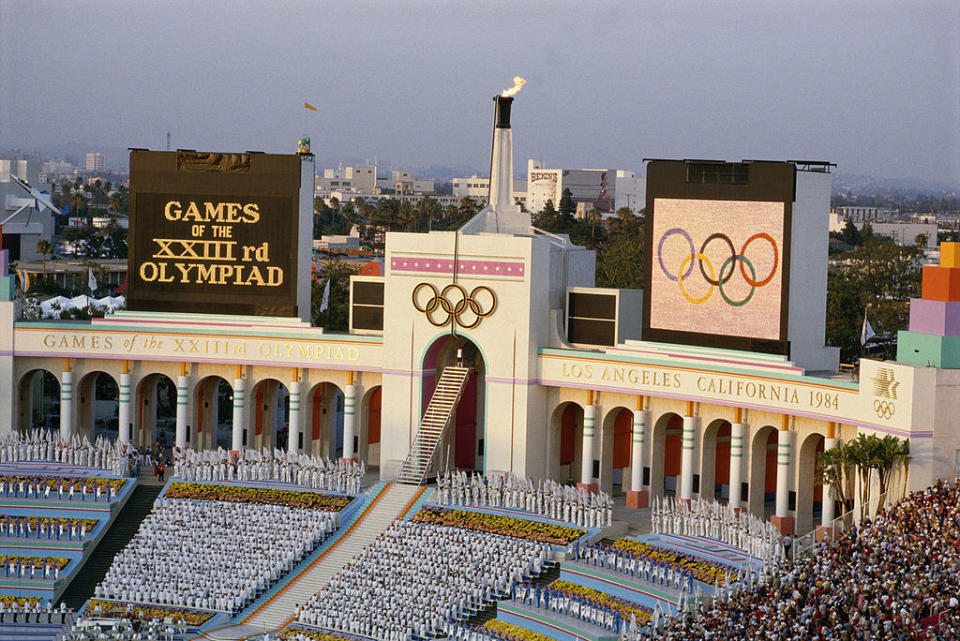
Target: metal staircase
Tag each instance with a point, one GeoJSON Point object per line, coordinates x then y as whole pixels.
{"type": "Point", "coordinates": [440, 413]}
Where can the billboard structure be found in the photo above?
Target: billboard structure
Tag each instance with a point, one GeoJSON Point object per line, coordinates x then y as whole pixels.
{"type": "Point", "coordinates": [719, 254]}
{"type": "Point", "coordinates": [217, 233]}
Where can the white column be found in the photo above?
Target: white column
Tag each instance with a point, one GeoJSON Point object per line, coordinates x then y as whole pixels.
{"type": "Point", "coordinates": [349, 419]}
{"type": "Point", "coordinates": [66, 407]}
{"type": "Point", "coordinates": [827, 512]}
{"type": "Point", "coordinates": [737, 430]}
{"type": "Point", "coordinates": [686, 462]}
{"type": "Point", "coordinates": [783, 473]}
{"type": "Point", "coordinates": [238, 394]}
{"type": "Point", "coordinates": [181, 440]}
{"type": "Point", "coordinates": [636, 453]}
{"type": "Point", "coordinates": [293, 427]}
{"type": "Point", "coordinates": [123, 411]}
{"type": "Point", "coordinates": [586, 463]}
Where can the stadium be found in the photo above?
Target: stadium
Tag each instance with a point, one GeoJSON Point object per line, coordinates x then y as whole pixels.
{"type": "Point", "coordinates": [497, 448]}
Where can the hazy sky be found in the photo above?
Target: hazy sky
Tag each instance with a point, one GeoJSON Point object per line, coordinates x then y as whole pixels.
{"type": "Point", "coordinates": [872, 86]}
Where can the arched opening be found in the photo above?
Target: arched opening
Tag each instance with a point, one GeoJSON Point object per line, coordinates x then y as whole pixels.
{"type": "Point", "coordinates": [271, 415]}
{"type": "Point", "coordinates": [809, 494]}
{"type": "Point", "coordinates": [566, 442]}
{"type": "Point", "coordinates": [369, 445]}
{"type": "Point", "coordinates": [763, 470]}
{"type": "Point", "coordinates": [715, 461]}
{"type": "Point", "coordinates": [615, 444]}
{"type": "Point", "coordinates": [463, 447]}
{"type": "Point", "coordinates": [323, 433]}
{"type": "Point", "coordinates": [666, 458]}
{"type": "Point", "coordinates": [39, 401]}
{"type": "Point", "coordinates": [97, 405]}
{"type": "Point", "coordinates": [212, 423]}
{"type": "Point", "coordinates": [156, 401]}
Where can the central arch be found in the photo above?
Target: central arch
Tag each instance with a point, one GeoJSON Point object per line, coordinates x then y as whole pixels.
{"type": "Point", "coordinates": [464, 447]}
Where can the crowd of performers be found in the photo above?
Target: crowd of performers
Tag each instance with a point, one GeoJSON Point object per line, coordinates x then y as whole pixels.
{"type": "Point", "coordinates": [35, 613]}
{"type": "Point", "coordinates": [758, 538]}
{"type": "Point", "coordinates": [42, 445]}
{"type": "Point", "coordinates": [649, 569]}
{"type": "Point", "coordinates": [544, 497]}
{"type": "Point", "coordinates": [415, 577]}
{"type": "Point", "coordinates": [212, 555]}
{"type": "Point", "coordinates": [300, 468]}
{"type": "Point", "coordinates": [43, 528]}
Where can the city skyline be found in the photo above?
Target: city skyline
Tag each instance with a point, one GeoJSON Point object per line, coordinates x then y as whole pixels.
{"type": "Point", "coordinates": [871, 86]}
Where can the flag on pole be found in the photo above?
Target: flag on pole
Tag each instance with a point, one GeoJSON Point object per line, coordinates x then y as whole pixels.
{"type": "Point", "coordinates": [91, 280]}
{"type": "Point", "coordinates": [307, 105]}
{"type": "Point", "coordinates": [325, 301]}
{"type": "Point", "coordinates": [866, 332]}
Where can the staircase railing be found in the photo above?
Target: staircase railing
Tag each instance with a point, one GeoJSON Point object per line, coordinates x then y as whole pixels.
{"type": "Point", "coordinates": [433, 426]}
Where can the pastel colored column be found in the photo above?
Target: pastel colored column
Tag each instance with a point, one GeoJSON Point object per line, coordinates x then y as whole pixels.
{"type": "Point", "coordinates": [782, 518]}
{"type": "Point", "coordinates": [637, 497]}
{"type": "Point", "coordinates": [737, 431]}
{"type": "Point", "coordinates": [66, 406]}
{"type": "Point", "coordinates": [686, 461]}
{"type": "Point", "coordinates": [181, 439]}
{"type": "Point", "coordinates": [123, 411]}
{"type": "Point", "coordinates": [238, 399]}
{"type": "Point", "coordinates": [293, 429]}
{"type": "Point", "coordinates": [586, 463]}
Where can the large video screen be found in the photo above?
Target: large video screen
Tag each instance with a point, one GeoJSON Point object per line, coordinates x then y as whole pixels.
{"type": "Point", "coordinates": [718, 262]}
{"type": "Point", "coordinates": [213, 233]}
{"type": "Point", "coordinates": [717, 267]}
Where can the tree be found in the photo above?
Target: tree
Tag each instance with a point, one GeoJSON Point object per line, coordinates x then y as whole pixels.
{"type": "Point", "coordinates": [850, 234]}
{"type": "Point", "coordinates": [44, 247]}
{"type": "Point", "coordinates": [566, 210]}
{"type": "Point", "coordinates": [78, 203]}
{"type": "Point", "coordinates": [547, 218]}
{"type": "Point", "coordinates": [834, 470]}
{"type": "Point", "coordinates": [920, 241]}
{"type": "Point", "coordinates": [336, 316]}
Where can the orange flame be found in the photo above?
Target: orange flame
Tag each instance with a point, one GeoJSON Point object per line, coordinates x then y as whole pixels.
{"type": "Point", "coordinates": [518, 83]}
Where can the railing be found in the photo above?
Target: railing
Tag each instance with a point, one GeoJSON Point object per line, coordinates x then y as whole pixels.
{"type": "Point", "coordinates": [842, 524]}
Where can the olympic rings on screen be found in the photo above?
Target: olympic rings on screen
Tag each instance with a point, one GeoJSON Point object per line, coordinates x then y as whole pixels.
{"type": "Point", "coordinates": [727, 269]}
{"type": "Point", "coordinates": [459, 310]}
{"type": "Point", "coordinates": [884, 409]}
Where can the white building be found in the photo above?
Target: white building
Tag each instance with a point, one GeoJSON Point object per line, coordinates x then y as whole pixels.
{"type": "Point", "coordinates": [94, 162]}
{"type": "Point", "coordinates": [603, 189]}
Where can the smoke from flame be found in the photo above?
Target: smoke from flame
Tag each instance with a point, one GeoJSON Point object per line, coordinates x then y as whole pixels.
{"type": "Point", "coordinates": [518, 83]}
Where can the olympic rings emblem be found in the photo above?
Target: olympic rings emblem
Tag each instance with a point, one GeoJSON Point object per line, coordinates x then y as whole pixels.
{"type": "Point", "coordinates": [715, 280]}
{"type": "Point", "coordinates": [464, 310]}
{"type": "Point", "coordinates": [884, 409]}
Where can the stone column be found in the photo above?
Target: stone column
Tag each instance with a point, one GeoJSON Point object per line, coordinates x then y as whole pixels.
{"type": "Point", "coordinates": [123, 411]}
{"type": "Point", "coordinates": [66, 406]}
{"type": "Point", "coordinates": [237, 427]}
{"type": "Point", "coordinates": [637, 497]}
{"type": "Point", "coordinates": [349, 420]}
{"type": "Point", "coordinates": [737, 430]}
{"type": "Point", "coordinates": [782, 518]}
{"type": "Point", "coordinates": [586, 463]}
{"type": "Point", "coordinates": [181, 438]}
{"type": "Point", "coordinates": [293, 427]}
{"type": "Point", "coordinates": [686, 462]}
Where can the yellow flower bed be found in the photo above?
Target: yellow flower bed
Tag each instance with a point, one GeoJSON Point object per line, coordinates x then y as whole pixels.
{"type": "Point", "coordinates": [496, 524]}
{"type": "Point", "coordinates": [703, 571]}
{"type": "Point", "coordinates": [36, 561]}
{"type": "Point", "coordinates": [147, 612]}
{"type": "Point", "coordinates": [10, 600]}
{"type": "Point", "coordinates": [260, 495]}
{"type": "Point", "coordinates": [35, 521]}
{"type": "Point", "coordinates": [514, 632]}
{"type": "Point", "coordinates": [77, 482]}
{"type": "Point", "coordinates": [614, 603]}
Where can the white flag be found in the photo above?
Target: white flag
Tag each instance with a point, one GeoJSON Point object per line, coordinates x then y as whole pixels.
{"type": "Point", "coordinates": [91, 280]}
{"type": "Point", "coordinates": [866, 332]}
{"type": "Point", "coordinates": [325, 301]}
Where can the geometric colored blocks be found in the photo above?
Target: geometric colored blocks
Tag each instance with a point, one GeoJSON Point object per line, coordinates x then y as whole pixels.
{"type": "Point", "coordinates": [8, 287]}
{"type": "Point", "coordinates": [934, 317]}
{"type": "Point", "coordinates": [940, 283]}
{"type": "Point", "coordinates": [928, 350]}
{"type": "Point", "coordinates": [950, 255]}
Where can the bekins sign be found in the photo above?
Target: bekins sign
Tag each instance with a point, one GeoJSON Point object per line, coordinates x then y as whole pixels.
{"type": "Point", "coordinates": [221, 240]}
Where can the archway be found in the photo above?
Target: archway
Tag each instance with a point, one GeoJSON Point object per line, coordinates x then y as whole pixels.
{"type": "Point", "coordinates": [212, 423]}
{"type": "Point", "coordinates": [715, 461]}
{"type": "Point", "coordinates": [156, 403]}
{"type": "Point", "coordinates": [763, 470]}
{"type": "Point", "coordinates": [271, 415]}
{"type": "Point", "coordinates": [809, 493]}
{"type": "Point", "coordinates": [615, 442]}
{"type": "Point", "coordinates": [463, 447]}
{"type": "Point", "coordinates": [39, 401]}
{"type": "Point", "coordinates": [369, 441]}
{"type": "Point", "coordinates": [566, 442]}
{"type": "Point", "coordinates": [96, 406]}
{"type": "Point", "coordinates": [667, 454]}
{"type": "Point", "coordinates": [322, 434]}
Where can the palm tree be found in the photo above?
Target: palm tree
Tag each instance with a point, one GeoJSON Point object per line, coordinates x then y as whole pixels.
{"type": "Point", "coordinates": [44, 247]}
{"type": "Point", "coordinates": [833, 470]}
{"type": "Point", "coordinates": [115, 203]}
{"type": "Point", "coordinates": [78, 203]}
{"type": "Point", "coordinates": [892, 453]}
